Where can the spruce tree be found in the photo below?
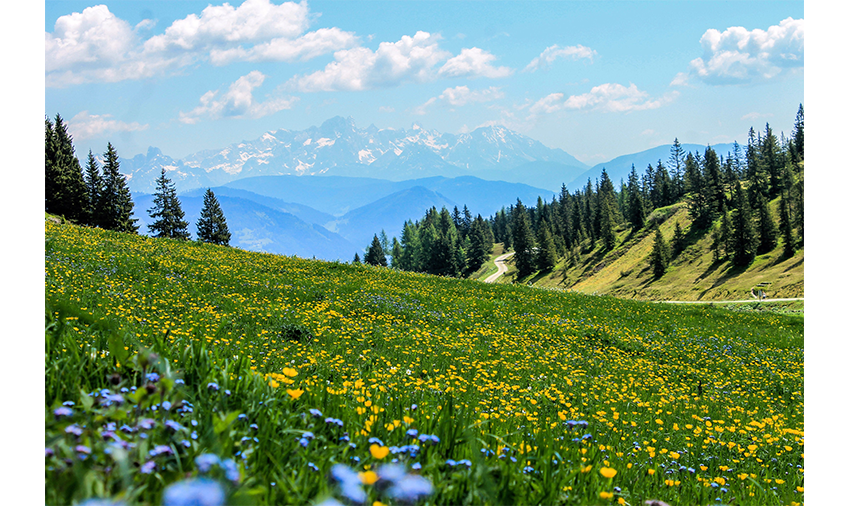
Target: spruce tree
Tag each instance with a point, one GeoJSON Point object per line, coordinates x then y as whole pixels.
{"type": "Point", "coordinates": [766, 226]}
{"type": "Point", "coordinates": [523, 241]}
{"type": "Point", "coordinates": [95, 189]}
{"type": "Point", "coordinates": [798, 134]}
{"type": "Point", "coordinates": [660, 256]}
{"type": "Point", "coordinates": [356, 258]}
{"type": "Point", "coordinates": [117, 201]}
{"type": "Point", "coordinates": [166, 211]}
{"type": "Point", "coordinates": [786, 227]}
{"type": "Point", "coordinates": [375, 254]}
{"type": "Point", "coordinates": [744, 241]}
{"type": "Point", "coordinates": [635, 201]}
{"type": "Point", "coordinates": [676, 162]}
{"type": "Point", "coordinates": [678, 243]}
{"type": "Point", "coordinates": [396, 259]}
{"type": "Point", "coordinates": [65, 189]}
{"type": "Point", "coordinates": [546, 255]}
{"type": "Point", "coordinates": [212, 226]}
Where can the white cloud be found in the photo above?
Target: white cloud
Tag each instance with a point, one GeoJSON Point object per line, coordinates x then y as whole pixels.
{"type": "Point", "coordinates": [738, 55]}
{"type": "Point", "coordinates": [409, 59]}
{"type": "Point", "coordinates": [460, 96]}
{"type": "Point", "coordinates": [608, 97]}
{"type": "Point", "coordinates": [86, 126]}
{"type": "Point", "coordinates": [680, 79]}
{"type": "Point", "coordinates": [97, 46]}
{"type": "Point", "coordinates": [473, 62]}
{"type": "Point", "coordinates": [755, 115]}
{"type": "Point", "coordinates": [237, 102]}
{"type": "Point", "coordinates": [552, 53]}
{"type": "Point", "coordinates": [386, 108]}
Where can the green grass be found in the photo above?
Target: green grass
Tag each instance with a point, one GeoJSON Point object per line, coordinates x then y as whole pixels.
{"type": "Point", "coordinates": [245, 344]}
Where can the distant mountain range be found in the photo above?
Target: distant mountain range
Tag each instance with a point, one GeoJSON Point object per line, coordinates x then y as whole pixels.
{"type": "Point", "coordinates": [338, 147]}
{"type": "Point", "coordinates": [333, 217]}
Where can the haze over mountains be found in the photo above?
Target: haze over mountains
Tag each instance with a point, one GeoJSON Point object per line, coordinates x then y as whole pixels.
{"type": "Point", "coordinates": [326, 190]}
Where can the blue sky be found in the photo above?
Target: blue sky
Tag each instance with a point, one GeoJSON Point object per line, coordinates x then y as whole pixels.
{"type": "Point", "coordinates": [597, 79]}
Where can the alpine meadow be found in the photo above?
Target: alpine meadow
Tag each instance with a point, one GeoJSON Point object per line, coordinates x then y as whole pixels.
{"type": "Point", "coordinates": [446, 307]}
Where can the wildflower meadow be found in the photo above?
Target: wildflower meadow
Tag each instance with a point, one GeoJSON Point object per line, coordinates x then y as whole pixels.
{"type": "Point", "coordinates": [178, 372]}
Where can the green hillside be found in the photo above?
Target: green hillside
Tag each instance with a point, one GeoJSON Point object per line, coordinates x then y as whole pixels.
{"type": "Point", "coordinates": [693, 275]}
{"type": "Point", "coordinates": [290, 381]}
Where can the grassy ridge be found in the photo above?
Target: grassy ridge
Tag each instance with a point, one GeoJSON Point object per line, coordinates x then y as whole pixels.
{"type": "Point", "coordinates": [692, 275]}
{"type": "Point", "coordinates": [550, 397]}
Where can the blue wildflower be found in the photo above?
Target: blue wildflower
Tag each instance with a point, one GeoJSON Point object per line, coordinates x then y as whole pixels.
{"type": "Point", "coordinates": [152, 377]}
{"type": "Point", "coordinates": [313, 466]}
{"type": "Point", "coordinates": [172, 425]}
{"type": "Point", "coordinates": [315, 413]}
{"type": "Point", "coordinates": [410, 488]}
{"type": "Point", "coordinates": [450, 463]}
{"type": "Point", "coordinates": [349, 483]}
{"type": "Point", "coordinates": [374, 440]}
{"type": "Point", "coordinates": [74, 429]}
{"type": "Point", "coordinates": [231, 471]}
{"type": "Point", "coordinates": [412, 433]}
{"type": "Point", "coordinates": [416, 466]}
{"type": "Point", "coordinates": [161, 450]}
{"type": "Point", "coordinates": [213, 386]}
{"type": "Point", "coordinates": [166, 405]}
{"type": "Point", "coordinates": [206, 461]}
{"type": "Point", "coordinates": [193, 492]}
{"type": "Point", "coordinates": [148, 467]}
{"type": "Point", "coordinates": [62, 412]}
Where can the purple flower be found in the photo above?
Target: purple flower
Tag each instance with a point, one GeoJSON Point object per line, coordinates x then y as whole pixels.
{"type": "Point", "coordinates": [193, 492]}
{"type": "Point", "coordinates": [161, 450]}
{"type": "Point", "coordinates": [172, 425]}
{"type": "Point", "coordinates": [62, 412]}
{"type": "Point", "coordinates": [206, 461]}
{"type": "Point", "coordinates": [152, 377]}
{"type": "Point", "coordinates": [213, 386]}
{"type": "Point", "coordinates": [148, 467]}
{"type": "Point", "coordinates": [74, 429]}
{"type": "Point", "coordinates": [147, 423]}
{"type": "Point", "coordinates": [48, 452]}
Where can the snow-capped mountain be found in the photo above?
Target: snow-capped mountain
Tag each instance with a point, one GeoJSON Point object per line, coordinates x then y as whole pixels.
{"type": "Point", "coordinates": [338, 147]}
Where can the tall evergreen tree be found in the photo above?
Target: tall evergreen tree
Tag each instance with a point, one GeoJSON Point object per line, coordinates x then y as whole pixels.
{"type": "Point", "coordinates": [659, 258]}
{"type": "Point", "coordinates": [523, 241]}
{"type": "Point", "coordinates": [396, 259]}
{"type": "Point", "coordinates": [117, 201]}
{"type": "Point", "coordinates": [744, 240]}
{"type": "Point", "coordinates": [166, 212]}
{"type": "Point", "coordinates": [212, 226]}
{"type": "Point", "coordinates": [94, 188]}
{"type": "Point", "coordinates": [375, 254]}
{"type": "Point", "coordinates": [766, 226]}
{"type": "Point", "coordinates": [676, 162]}
{"type": "Point", "coordinates": [546, 256]}
{"type": "Point", "coordinates": [635, 201]}
{"type": "Point", "coordinates": [356, 258]}
{"type": "Point", "coordinates": [65, 189]}
{"type": "Point", "coordinates": [798, 134]}
{"type": "Point", "coordinates": [698, 206]}
{"type": "Point", "coordinates": [678, 243]}
{"type": "Point", "coordinates": [786, 227]}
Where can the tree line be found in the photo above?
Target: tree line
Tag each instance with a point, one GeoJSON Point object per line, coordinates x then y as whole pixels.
{"type": "Point", "coordinates": [731, 197]}
{"type": "Point", "coordinates": [99, 196]}
{"type": "Point", "coordinates": [446, 244]}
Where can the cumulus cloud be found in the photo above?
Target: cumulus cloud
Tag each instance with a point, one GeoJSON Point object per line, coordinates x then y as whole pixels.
{"type": "Point", "coordinates": [608, 97]}
{"type": "Point", "coordinates": [411, 59]}
{"type": "Point", "coordinates": [738, 55]}
{"type": "Point", "coordinates": [552, 53]}
{"type": "Point", "coordinates": [97, 46]}
{"type": "Point", "coordinates": [237, 102]}
{"type": "Point", "coordinates": [460, 96]}
{"type": "Point", "coordinates": [86, 126]}
{"type": "Point", "coordinates": [473, 62]}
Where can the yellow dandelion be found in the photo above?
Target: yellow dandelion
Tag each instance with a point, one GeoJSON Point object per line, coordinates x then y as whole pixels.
{"type": "Point", "coordinates": [608, 472]}
{"type": "Point", "coordinates": [378, 452]}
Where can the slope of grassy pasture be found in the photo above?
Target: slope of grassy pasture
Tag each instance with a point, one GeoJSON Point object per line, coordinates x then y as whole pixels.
{"type": "Point", "coordinates": [163, 355]}
{"type": "Point", "coordinates": [692, 275]}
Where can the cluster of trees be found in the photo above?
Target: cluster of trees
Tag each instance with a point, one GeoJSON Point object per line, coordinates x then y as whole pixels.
{"type": "Point", "coordinates": [99, 197]}
{"type": "Point", "coordinates": [442, 243]}
{"type": "Point", "coordinates": [747, 200]}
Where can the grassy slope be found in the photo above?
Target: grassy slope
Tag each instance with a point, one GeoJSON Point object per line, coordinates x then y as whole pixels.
{"type": "Point", "coordinates": [488, 366]}
{"type": "Point", "coordinates": [693, 275]}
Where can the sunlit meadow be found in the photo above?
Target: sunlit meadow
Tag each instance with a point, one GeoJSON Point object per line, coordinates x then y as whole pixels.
{"type": "Point", "coordinates": [273, 380]}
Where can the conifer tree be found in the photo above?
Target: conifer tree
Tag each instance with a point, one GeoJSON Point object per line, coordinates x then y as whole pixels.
{"type": "Point", "coordinates": [635, 201]}
{"type": "Point", "coordinates": [744, 241]}
{"type": "Point", "coordinates": [65, 189]}
{"type": "Point", "coordinates": [766, 225]}
{"type": "Point", "coordinates": [166, 211]}
{"type": "Point", "coordinates": [676, 162]}
{"type": "Point", "coordinates": [212, 226]}
{"type": "Point", "coordinates": [660, 256]}
{"type": "Point", "coordinates": [798, 134]}
{"type": "Point", "coordinates": [546, 255]}
{"type": "Point", "coordinates": [356, 258]}
{"type": "Point", "coordinates": [375, 254]}
{"type": "Point", "coordinates": [523, 241]}
{"type": "Point", "coordinates": [786, 227]}
{"type": "Point", "coordinates": [117, 201]}
{"type": "Point", "coordinates": [95, 189]}
{"type": "Point", "coordinates": [396, 259]}
{"type": "Point", "coordinates": [678, 243]}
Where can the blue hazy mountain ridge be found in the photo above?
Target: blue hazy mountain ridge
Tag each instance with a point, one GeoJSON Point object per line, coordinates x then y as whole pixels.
{"type": "Point", "coordinates": [338, 195]}
{"type": "Point", "coordinates": [388, 214]}
{"type": "Point", "coordinates": [305, 213]}
{"type": "Point", "coordinates": [338, 147]}
{"type": "Point", "coordinates": [259, 228]}
{"type": "Point", "coordinates": [620, 167]}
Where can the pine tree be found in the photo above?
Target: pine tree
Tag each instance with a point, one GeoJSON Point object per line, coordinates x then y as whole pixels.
{"type": "Point", "coordinates": [523, 241]}
{"type": "Point", "coordinates": [678, 243]}
{"type": "Point", "coordinates": [635, 202]}
{"type": "Point", "coordinates": [798, 134]}
{"type": "Point", "coordinates": [117, 201]}
{"type": "Point", "coordinates": [95, 189]}
{"type": "Point", "coordinates": [396, 261]}
{"type": "Point", "coordinates": [676, 162]}
{"type": "Point", "coordinates": [166, 211]}
{"type": "Point", "coordinates": [375, 253]}
{"type": "Point", "coordinates": [356, 258]}
{"type": "Point", "coordinates": [212, 226]}
{"type": "Point", "coordinates": [744, 241]}
{"type": "Point", "coordinates": [65, 189]}
{"type": "Point", "coordinates": [766, 225]}
{"type": "Point", "coordinates": [546, 255]}
{"type": "Point", "coordinates": [660, 256]}
{"type": "Point", "coordinates": [786, 227]}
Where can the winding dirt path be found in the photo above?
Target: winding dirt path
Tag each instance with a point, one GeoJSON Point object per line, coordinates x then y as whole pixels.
{"type": "Point", "coordinates": [725, 301]}
{"type": "Point", "coordinates": [500, 265]}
